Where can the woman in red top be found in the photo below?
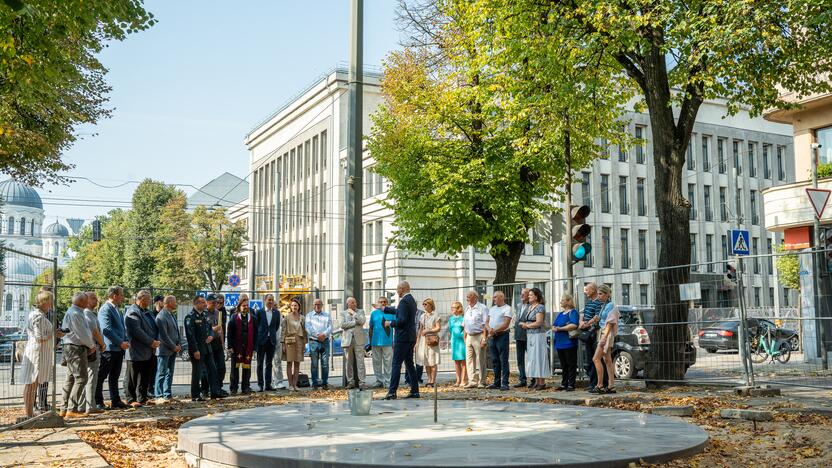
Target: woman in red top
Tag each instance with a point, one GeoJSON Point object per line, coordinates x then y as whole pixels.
{"type": "Point", "coordinates": [241, 336]}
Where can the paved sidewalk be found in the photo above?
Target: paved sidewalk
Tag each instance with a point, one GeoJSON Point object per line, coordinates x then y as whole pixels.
{"type": "Point", "coordinates": [47, 448]}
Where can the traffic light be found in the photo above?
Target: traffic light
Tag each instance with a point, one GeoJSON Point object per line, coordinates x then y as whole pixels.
{"type": "Point", "coordinates": [730, 272]}
{"type": "Point", "coordinates": [96, 230]}
{"type": "Point", "coordinates": [580, 231]}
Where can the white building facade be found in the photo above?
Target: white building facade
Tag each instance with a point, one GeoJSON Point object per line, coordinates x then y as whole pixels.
{"type": "Point", "coordinates": [299, 154]}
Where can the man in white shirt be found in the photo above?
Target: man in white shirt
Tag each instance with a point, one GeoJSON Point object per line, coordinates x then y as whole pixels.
{"type": "Point", "coordinates": [476, 338]}
{"type": "Point", "coordinates": [499, 319]}
{"type": "Point", "coordinates": [78, 343]}
{"type": "Point", "coordinates": [319, 329]}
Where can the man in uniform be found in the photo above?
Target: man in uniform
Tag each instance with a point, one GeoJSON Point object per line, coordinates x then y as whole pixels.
{"type": "Point", "coordinates": [200, 335]}
{"type": "Point", "coordinates": [215, 314]}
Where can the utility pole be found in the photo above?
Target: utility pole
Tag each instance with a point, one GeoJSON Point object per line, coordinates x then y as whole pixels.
{"type": "Point", "coordinates": [354, 183]}
{"type": "Point", "coordinates": [277, 221]}
{"type": "Point", "coordinates": [472, 266]}
{"type": "Point", "coordinates": [567, 214]}
{"type": "Point", "coordinates": [817, 264]}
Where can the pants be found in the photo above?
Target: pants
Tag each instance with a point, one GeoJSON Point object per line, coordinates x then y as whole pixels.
{"type": "Point", "coordinates": [265, 356]}
{"type": "Point", "coordinates": [109, 369]}
{"type": "Point", "coordinates": [277, 363]}
{"type": "Point", "coordinates": [355, 364]}
{"type": "Point", "coordinates": [419, 371]}
{"type": "Point", "coordinates": [205, 365]}
{"type": "Point", "coordinates": [243, 384]}
{"type": "Point", "coordinates": [164, 375]}
{"type": "Point", "coordinates": [498, 349]}
{"type": "Point", "coordinates": [403, 354]}
{"type": "Point", "coordinates": [218, 357]}
{"type": "Point", "coordinates": [154, 371]}
{"type": "Point", "coordinates": [589, 366]}
{"type": "Point", "coordinates": [92, 384]}
{"type": "Point", "coordinates": [475, 359]}
{"type": "Point", "coordinates": [139, 380]}
{"type": "Point", "coordinates": [382, 361]}
{"type": "Point", "coordinates": [76, 376]}
{"type": "Point", "coordinates": [521, 359]}
{"type": "Point", "coordinates": [319, 351]}
{"type": "Point", "coordinates": [41, 396]}
{"type": "Point", "coordinates": [569, 366]}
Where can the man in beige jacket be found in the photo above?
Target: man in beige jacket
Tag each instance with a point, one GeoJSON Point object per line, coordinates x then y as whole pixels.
{"type": "Point", "coordinates": [353, 341]}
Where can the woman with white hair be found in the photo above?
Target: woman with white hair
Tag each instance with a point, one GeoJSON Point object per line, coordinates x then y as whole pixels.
{"type": "Point", "coordinates": [39, 355]}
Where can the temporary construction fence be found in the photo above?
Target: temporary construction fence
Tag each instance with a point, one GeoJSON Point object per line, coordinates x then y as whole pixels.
{"type": "Point", "coordinates": [23, 274]}
{"type": "Point", "coordinates": [784, 338]}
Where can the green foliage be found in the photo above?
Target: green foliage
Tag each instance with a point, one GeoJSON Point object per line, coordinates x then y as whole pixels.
{"type": "Point", "coordinates": [50, 78]}
{"type": "Point", "coordinates": [478, 145]}
{"type": "Point", "coordinates": [824, 170]}
{"type": "Point", "coordinates": [157, 244]}
{"type": "Point", "coordinates": [788, 269]}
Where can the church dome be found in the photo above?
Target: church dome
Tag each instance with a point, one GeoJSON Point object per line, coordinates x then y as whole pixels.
{"type": "Point", "coordinates": [56, 229]}
{"type": "Point", "coordinates": [14, 193]}
{"type": "Point", "coordinates": [17, 267]}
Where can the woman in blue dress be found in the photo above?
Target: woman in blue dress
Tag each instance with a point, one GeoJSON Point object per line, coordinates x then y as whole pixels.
{"type": "Point", "coordinates": [456, 329]}
{"type": "Point", "coordinates": [565, 345]}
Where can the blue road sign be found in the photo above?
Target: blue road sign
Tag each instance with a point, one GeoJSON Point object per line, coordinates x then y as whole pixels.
{"type": "Point", "coordinates": [234, 281]}
{"type": "Point", "coordinates": [202, 293]}
{"type": "Point", "coordinates": [740, 241]}
{"type": "Point", "coordinates": [255, 305]}
{"type": "Point", "coordinates": [231, 299]}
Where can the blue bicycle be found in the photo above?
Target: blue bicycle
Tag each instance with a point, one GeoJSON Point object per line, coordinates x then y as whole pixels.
{"type": "Point", "coordinates": [766, 346]}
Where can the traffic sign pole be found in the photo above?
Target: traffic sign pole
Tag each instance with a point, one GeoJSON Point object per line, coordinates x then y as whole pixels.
{"type": "Point", "coordinates": [816, 256]}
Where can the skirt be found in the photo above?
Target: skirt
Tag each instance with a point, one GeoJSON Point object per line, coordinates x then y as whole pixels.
{"type": "Point", "coordinates": [426, 356]}
{"type": "Point", "coordinates": [293, 352]}
{"type": "Point", "coordinates": [537, 356]}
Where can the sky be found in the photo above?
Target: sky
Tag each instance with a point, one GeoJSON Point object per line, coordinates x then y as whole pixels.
{"type": "Point", "coordinates": [186, 91]}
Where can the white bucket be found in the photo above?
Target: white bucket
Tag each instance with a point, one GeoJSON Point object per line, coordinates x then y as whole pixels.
{"type": "Point", "coordinates": [360, 402]}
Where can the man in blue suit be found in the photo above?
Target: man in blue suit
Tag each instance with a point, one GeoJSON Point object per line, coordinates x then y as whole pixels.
{"type": "Point", "coordinates": [403, 342]}
{"type": "Point", "coordinates": [111, 323]}
{"type": "Point", "coordinates": [268, 323]}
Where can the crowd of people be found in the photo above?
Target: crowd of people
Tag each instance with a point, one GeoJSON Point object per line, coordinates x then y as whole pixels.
{"type": "Point", "coordinates": [146, 339]}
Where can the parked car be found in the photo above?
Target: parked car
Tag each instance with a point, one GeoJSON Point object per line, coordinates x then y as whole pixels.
{"type": "Point", "coordinates": [725, 335]}
{"type": "Point", "coordinates": [6, 351]}
{"type": "Point", "coordinates": [12, 344]}
{"type": "Point", "coordinates": [632, 344]}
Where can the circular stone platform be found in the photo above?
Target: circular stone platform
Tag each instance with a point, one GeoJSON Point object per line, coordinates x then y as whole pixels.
{"type": "Point", "coordinates": [402, 433]}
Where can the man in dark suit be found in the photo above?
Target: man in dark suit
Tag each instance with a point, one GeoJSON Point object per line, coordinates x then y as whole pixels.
{"type": "Point", "coordinates": [268, 322]}
{"type": "Point", "coordinates": [403, 342]}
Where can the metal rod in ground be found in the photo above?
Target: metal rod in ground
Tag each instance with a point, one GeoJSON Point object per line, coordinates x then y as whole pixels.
{"type": "Point", "coordinates": [743, 332]}
{"type": "Point", "coordinates": [435, 403]}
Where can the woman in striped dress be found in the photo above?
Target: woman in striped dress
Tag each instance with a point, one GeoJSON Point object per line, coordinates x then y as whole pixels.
{"type": "Point", "coordinates": [39, 356]}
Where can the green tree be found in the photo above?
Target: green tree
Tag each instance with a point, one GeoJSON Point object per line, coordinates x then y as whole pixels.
{"type": "Point", "coordinates": [477, 148]}
{"type": "Point", "coordinates": [170, 250]}
{"type": "Point", "coordinates": [96, 265]}
{"type": "Point", "coordinates": [788, 269]}
{"type": "Point", "coordinates": [214, 246]}
{"type": "Point", "coordinates": [50, 79]}
{"type": "Point", "coordinates": [143, 234]}
{"type": "Point", "coordinates": [678, 54]}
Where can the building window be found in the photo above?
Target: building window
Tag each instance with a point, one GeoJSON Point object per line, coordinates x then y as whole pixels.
{"type": "Point", "coordinates": [720, 151]}
{"type": "Point", "coordinates": [755, 250]}
{"type": "Point", "coordinates": [642, 205]}
{"type": "Point", "coordinates": [752, 160]}
{"type": "Point", "coordinates": [8, 305]}
{"type": "Point", "coordinates": [368, 239]}
{"type": "Point", "coordinates": [22, 304]}
{"type": "Point", "coordinates": [771, 296]}
{"type": "Point", "coordinates": [605, 193]}
{"type": "Point", "coordinates": [625, 248]}
{"type": "Point", "coordinates": [781, 169]}
{"type": "Point", "coordinates": [622, 153]}
{"type": "Point", "coordinates": [642, 249]}
{"type": "Point", "coordinates": [768, 259]}
{"type": "Point", "coordinates": [640, 150]}
{"type": "Point", "coordinates": [824, 137]}
{"type": "Point", "coordinates": [766, 162]}
{"type": "Point", "coordinates": [692, 200]}
{"type": "Point", "coordinates": [11, 225]}
{"type": "Point", "coordinates": [658, 244]}
{"type": "Point", "coordinates": [738, 204]}
{"type": "Point", "coordinates": [323, 149]}
{"type": "Point", "coordinates": [323, 257]}
{"type": "Point", "coordinates": [690, 156]}
{"type": "Point", "coordinates": [724, 247]}
{"type": "Point", "coordinates": [379, 240]}
{"type": "Point", "coordinates": [625, 294]}
{"type": "Point", "coordinates": [709, 215]}
{"type": "Point", "coordinates": [607, 248]}
{"type": "Point", "coordinates": [642, 295]}
{"type": "Point", "coordinates": [368, 183]}
{"type": "Point", "coordinates": [586, 188]}
{"type": "Point", "coordinates": [785, 297]}
{"type": "Point", "coordinates": [723, 207]}
{"type": "Point", "coordinates": [755, 217]}
{"type": "Point", "coordinates": [709, 251]}
{"type": "Point", "coordinates": [622, 195]}
{"type": "Point", "coordinates": [315, 162]}
{"type": "Point", "coordinates": [538, 243]}
{"type": "Point", "coordinates": [22, 226]}
{"type": "Point", "coordinates": [756, 296]}
{"type": "Point", "coordinates": [706, 155]}
{"type": "Point", "coordinates": [32, 228]}
{"type": "Point", "coordinates": [693, 258]}
{"type": "Point", "coordinates": [605, 149]}
{"type": "Point", "coordinates": [737, 161]}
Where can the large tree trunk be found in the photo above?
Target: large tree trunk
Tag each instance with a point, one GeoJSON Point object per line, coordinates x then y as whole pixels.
{"type": "Point", "coordinates": [668, 342]}
{"type": "Point", "coordinates": [507, 260]}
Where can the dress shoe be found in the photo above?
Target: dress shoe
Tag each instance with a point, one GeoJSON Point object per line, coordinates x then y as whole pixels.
{"type": "Point", "coordinates": [246, 391]}
{"type": "Point", "coordinates": [390, 396]}
{"type": "Point", "coordinates": [493, 387]}
{"type": "Point", "coordinates": [218, 396]}
{"type": "Point", "coordinates": [350, 386]}
{"type": "Point", "coordinates": [136, 404]}
{"type": "Point", "coordinates": [224, 393]}
{"type": "Point", "coordinates": [413, 395]}
{"type": "Point", "coordinates": [74, 414]}
{"type": "Point", "coordinates": [119, 405]}
{"type": "Point", "coordinates": [570, 389]}
{"type": "Point", "coordinates": [233, 392]}
{"type": "Point", "coordinates": [519, 385]}
{"type": "Point", "coordinates": [271, 389]}
{"type": "Point", "coordinates": [101, 407]}
{"type": "Point", "coordinates": [325, 387]}
{"type": "Point", "coordinates": [94, 411]}
{"type": "Point", "coordinates": [198, 399]}
{"type": "Point", "coordinates": [505, 388]}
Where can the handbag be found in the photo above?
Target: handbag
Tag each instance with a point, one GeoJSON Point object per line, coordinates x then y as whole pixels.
{"type": "Point", "coordinates": [585, 335]}
{"type": "Point", "coordinates": [432, 340]}
{"type": "Point", "coordinates": [574, 334]}
{"type": "Point", "coordinates": [290, 340]}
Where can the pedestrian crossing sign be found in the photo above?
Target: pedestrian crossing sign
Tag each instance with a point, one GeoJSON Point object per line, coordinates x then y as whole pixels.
{"type": "Point", "coordinates": [739, 242]}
